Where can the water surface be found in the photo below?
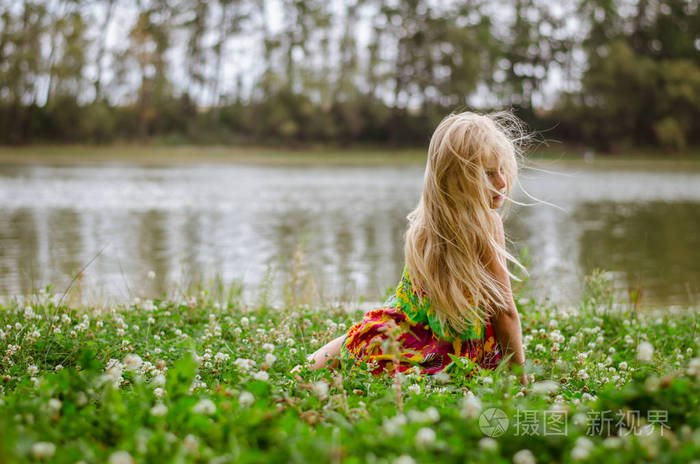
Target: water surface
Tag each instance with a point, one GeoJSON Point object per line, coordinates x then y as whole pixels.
{"type": "Point", "coordinates": [345, 224]}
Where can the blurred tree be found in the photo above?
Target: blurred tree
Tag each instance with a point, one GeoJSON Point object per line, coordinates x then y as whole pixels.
{"type": "Point", "coordinates": [150, 39]}
{"type": "Point", "coordinates": [195, 16]}
{"type": "Point", "coordinates": [231, 22]}
{"type": "Point", "coordinates": [353, 70]}
{"type": "Point", "coordinates": [642, 82]}
{"type": "Point", "coordinates": [20, 68]}
{"type": "Point", "coordinates": [102, 48]}
{"type": "Point", "coordinates": [535, 43]}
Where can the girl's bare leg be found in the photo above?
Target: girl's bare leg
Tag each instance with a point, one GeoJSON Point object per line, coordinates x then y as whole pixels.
{"type": "Point", "coordinates": [326, 353]}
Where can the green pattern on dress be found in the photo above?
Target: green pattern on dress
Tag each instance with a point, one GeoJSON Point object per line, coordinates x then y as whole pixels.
{"type": "Point", "coordinates": [419, 311]}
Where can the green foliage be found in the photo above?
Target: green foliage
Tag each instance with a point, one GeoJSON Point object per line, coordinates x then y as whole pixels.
{"type": "Point", "coordinates": [207, 378]}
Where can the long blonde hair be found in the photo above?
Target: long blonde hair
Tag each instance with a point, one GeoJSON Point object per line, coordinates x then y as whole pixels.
{"type": "Point", "coordinates": [452, 232]}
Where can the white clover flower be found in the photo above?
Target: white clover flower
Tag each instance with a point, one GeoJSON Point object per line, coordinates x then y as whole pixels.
{"type": "Point", "coordinates": [320, 389]}
{"type": "Point", "coordinates": [54, 405]}
{"type": "Point", "coordinates": [121, 457]}
{"type": "Point", "coordinates": [221, 357]}
{"type": "Point", "coordinates": [245, 323]}
{"type": "Point", "coordinates": [693, 369]}
{"type": "Point", "coordinates": [158, 380]}
{"type": "Point", "coordinates": [442, 377]}
{"type": "Point", "coordinates": [132, 362]}
{"type": "Point", "coordinates": [487, 380]}
{"type": "Point", "coordinates": [32, 369]}
{"type": "Point", "coordinates": [261, 375]}
{"type": "Point", "coordinates": [43, 450]}
{"type": "Point", "coordinates": [425, 437]}
{"type": "Point", "coordinates": [471, 407]}
{"type": "Point", "coordinates": [392, 426]}
{"type": "Point", "coordinates": [582, 449]}
{"type": "Point", "coordinates": [622, 366]}
{"type": "Point", "coordinates": [524, 456]}
{"type": "Point", "coordinates": [432, 414]}
{"type": "Point", "coordinates": [204, 406]}
{"type": "Point", "coordinates": [159, 392]}
{"type": "Point", "coordinates": [28, 312]}
{"type": "Point", "coordinates": [582, 374]}
{"type": "Point", "coordinates": [579, 419]}
{"type": "Point", "coordinates": [190, 443]}
{"type": "Point", "coordinates": [540, 347]}
{"type": "Point", "coordinates": [244, 364]}
{"type": "Point", "coordinates": [612, 443]}
{"type": "Point", "coordinates": [246, 399]}
{"type": "Point", "coordinates": [414, 388]}
{"type": "Point", "coordinates": [270, 358]}
{"type": "Point", "coordinates": [545, 387]}
{"type": "Point", "coordinates": [488, 444]}
{"type": "Point", "coordinates": [404, 459]}
{"type": "Point", "coordinates": [268, 347]}
{"type": "Point", "coordinates": [159, 410]}
{"type": "Point", "coordinates": [114, 371]}
{"type": "Point", "coordinates": [645, 351]}
{"type": "Point", "coordinates": [290, 342]}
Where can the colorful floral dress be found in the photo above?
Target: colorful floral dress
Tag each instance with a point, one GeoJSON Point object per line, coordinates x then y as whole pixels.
{"type": "Point", "coordinates": [419, 339]}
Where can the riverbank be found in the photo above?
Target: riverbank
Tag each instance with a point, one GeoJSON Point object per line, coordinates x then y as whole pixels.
{"type": "Point", "coordinates": [203, 378]}
{"type": "Point", "coordinates": [167, 155]}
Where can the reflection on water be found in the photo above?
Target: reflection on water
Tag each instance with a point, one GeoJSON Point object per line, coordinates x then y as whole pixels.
{"type": "Point", "coordinates": [246, 223]}
{"type": "Point", "coordinates": [653, 245]}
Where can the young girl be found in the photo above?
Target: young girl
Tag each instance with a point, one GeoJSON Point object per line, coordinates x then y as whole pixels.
{"type": "Point", "coordinates": [454, 297]}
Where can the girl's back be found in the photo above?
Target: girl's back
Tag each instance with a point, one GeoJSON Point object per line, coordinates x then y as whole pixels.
{"type": "Point", "coordinates": [455, 253]}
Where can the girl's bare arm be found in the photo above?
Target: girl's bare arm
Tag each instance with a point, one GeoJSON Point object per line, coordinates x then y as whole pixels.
{"type": "Point", "coordinates": [506, 323]}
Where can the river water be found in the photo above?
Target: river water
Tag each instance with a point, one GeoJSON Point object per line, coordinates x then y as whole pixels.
{"type": "Point", "coordinates": [344, 225]}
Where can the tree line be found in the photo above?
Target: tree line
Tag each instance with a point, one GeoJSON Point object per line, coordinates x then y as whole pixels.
{"type": "Point", "coordinates": [610, 74]}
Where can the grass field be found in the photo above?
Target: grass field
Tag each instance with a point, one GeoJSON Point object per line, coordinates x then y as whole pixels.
{"type": "Point", "coordinates": [206, 378]}
{"type": "Point", "coordinates": [554, 155]}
